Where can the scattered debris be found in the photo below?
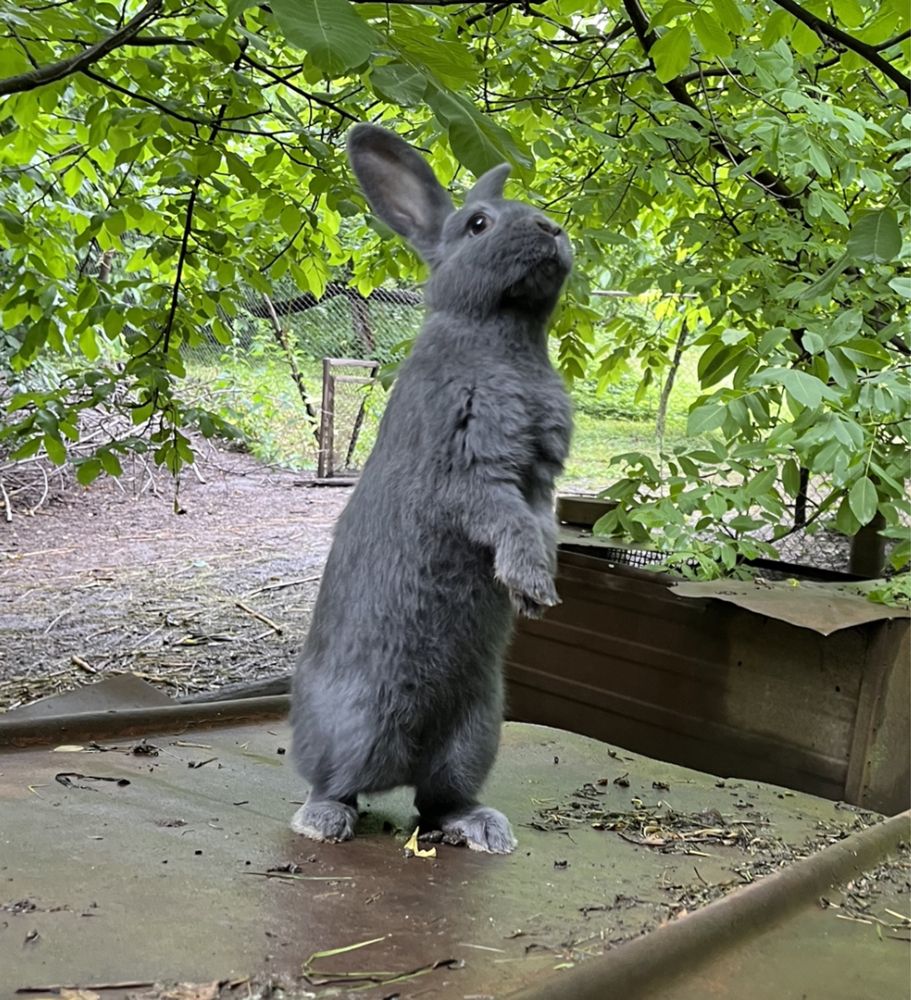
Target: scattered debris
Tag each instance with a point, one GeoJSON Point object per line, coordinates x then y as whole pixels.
{"type": "Point", "coordinates": [289, 868]}
{"type": "Point", "coordinates": [71, 779]}
{"type": "Point", "coordinates": [412, 848]}
{"type": "Point", "coordinates": [321, 977]}
{"type": "Point", "coordinates": [129, 984]}
{"type": "Point", "coordinates": [191, 991]}
{"type": "Point", "coordinates": [294, 877]}
{"type": "Point", "coordinates": [19, 907]}
{"type": "Point", "coordinates": [201, 763]}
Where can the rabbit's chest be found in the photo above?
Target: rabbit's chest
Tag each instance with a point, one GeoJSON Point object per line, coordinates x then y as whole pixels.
{"type": "Point", "coordinates": [548, 421]}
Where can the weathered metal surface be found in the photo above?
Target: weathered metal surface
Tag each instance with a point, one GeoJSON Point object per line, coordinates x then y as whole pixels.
{"type": "Point", "coordinates": [712, 946]}
{"type": "Point", "coordinates": [164, 878]}
{"type": "Point", "coordinates": [110, 693]}
{"type": "Point", "coordinates": [823, 607]}
{"type": "Point", "coordinates": [717, 687]}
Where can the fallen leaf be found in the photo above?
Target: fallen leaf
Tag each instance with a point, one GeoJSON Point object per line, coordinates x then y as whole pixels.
{"type": "Point", "coordinates": [69, 748]}
{"type": "Point", "coordinates": [419, 852]}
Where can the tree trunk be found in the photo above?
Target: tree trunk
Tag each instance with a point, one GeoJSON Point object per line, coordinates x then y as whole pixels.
{"type": "Point", "coordinates": [800, 501]}
{"type": "Point", "coordinates": [360, 317]}
{"type": "Point", "coordinates": [664, 398]}
{"type": "Point", "coordinates": [281, 336]}
{"type": "Point", "coordinates": [868, 549]}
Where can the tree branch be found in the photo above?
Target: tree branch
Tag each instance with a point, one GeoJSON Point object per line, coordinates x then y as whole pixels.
{"type": "Point", "coordinates": [868, 52]}
{"type": "Point", "coordinates": [285, 81]}
{"type": "Point", "coordinates": [763, 178]}
{"type": "Point", "coordinates": [889, 42]}
{"type": "Point", "coordinates": [74, 64]}
{"type": "Point", "coordinates": [191, 119]}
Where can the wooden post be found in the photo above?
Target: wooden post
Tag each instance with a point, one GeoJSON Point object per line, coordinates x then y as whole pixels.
{"type": "Point", "coordinates": [327, 419]}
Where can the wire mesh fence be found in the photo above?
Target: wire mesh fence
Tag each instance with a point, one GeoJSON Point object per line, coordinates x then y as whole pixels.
{"type": "Point", "coordinates": [302, 372]}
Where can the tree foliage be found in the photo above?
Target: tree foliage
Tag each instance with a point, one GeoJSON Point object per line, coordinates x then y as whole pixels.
{"type": "Point", "coordinates": [742, 165]}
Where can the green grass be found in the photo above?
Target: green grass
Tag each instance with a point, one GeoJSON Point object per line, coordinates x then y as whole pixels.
{"type": "Point", "coordinates": [596, 440]}
{"type": "Point", "coordinates": [257, 394]}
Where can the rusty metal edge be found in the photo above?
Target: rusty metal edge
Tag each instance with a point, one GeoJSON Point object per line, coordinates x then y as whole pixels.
{"type": "Point", "coordinates": [16, 733]}
{"type": "Point", "coordinates": [638, 968]}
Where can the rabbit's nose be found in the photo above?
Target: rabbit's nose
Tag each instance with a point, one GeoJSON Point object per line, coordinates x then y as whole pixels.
{"type": "Point", "coordinates": [551, 228]}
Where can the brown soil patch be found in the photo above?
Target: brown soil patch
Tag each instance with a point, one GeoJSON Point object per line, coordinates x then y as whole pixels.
{"type": "Point", "coordinates": [103, 581]}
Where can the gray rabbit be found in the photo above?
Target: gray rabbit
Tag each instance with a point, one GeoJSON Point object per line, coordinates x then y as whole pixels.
{"type": "Point", "coordinates": [451, 526]}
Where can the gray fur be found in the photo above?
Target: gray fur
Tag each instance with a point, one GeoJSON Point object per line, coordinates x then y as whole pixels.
{"type": "Point", "coordinates": [451, 526]}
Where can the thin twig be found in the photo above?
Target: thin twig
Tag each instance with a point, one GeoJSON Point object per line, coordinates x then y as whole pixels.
{"type": "Point", "coordinates": [7, 506]}
{"type": "Point", "coordinates": [260, 616]}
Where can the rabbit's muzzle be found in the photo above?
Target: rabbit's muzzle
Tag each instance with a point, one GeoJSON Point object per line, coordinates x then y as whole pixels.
{"type": "Point", "coordinates": [543, 259]}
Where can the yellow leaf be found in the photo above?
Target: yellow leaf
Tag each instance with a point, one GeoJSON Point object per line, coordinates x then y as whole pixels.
{"type": "Point", "coordinates": [68, 748]}
{"type": "Point", "coordinates": [419, 852]}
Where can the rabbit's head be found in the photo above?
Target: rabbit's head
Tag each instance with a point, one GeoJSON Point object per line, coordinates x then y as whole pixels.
{"type": "Point", "coordinates": [490, 256]}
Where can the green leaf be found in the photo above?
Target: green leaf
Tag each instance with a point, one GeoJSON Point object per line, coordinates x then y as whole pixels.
{"type": "Point", "coordinates": [845, 520]}
{"type": "Point", "coordinates": [849, 12]}
{"type": "Point", "coordinates": [813, 343]}
{"type": "Point", "coordinates": [902, 286]}
{"type": "Point", "coordinates": [716, 505]}
{"type": "Point", "coordinates": [703, 419]}
{"type": "Point", "coordinates": [399, 83]}
{"type": "Point", "coordinates": [236, 7]}
{"type": "Point", "coordinates": [671, 53]}
{"type": "Point", "coordinates": [55, 449]}
{"type": "Point", "coordinates": [476, 139]}
{"type": "Point", "coordinates": [26, 450]}
{"type": "Point", "coordinates": [88, 470]}
{"type": "Point", "coordinates": [863, 500]}
{"type": "Point", "coordinates": [804, 39]}
{"type": "Point", "coordinates": [330, 31]}
{"type": "Point", "coordinates": [87, 343]}
{"type": "Point", "coordinates": [446, 61]}
{"type": "Point", "coordinates": [110, 462]}
{"type": "Point", "coordinates": [290, 219]}
{"type": "Point", "coordinates": [875, 237]}
{"type": "Point", "coordinates": [715, 40]}
{"type": "Point", "coordinates": [790, 477]}
{"type": "Point", "coordinates": [806, 389]}
{"type": "Point", "coordinates": [717, 361]}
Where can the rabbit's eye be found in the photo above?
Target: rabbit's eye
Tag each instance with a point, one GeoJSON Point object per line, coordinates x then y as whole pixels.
{"type": "Point", "coordinates": [477, 224]}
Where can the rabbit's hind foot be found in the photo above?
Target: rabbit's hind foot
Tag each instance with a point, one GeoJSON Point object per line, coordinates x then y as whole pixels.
{"type": "Point", "coordinates": [483, 828]}
{"type": "Point", "coordinates": [325, 820]}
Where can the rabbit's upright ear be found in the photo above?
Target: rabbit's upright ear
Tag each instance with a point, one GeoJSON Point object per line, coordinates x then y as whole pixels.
{"type": "Point", "coordinates": [489, 186]}
{"type": "Point", "coordinates": [400, 187]}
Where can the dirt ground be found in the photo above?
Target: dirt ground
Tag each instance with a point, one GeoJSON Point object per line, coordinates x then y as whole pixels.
{"type": "Point", "coordinates": [110, 579]}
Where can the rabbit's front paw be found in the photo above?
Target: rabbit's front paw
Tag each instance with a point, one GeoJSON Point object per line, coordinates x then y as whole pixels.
{"type": "Point", "coordinates": [531, 586]}
{"type": "Point", "coordinates": [527, 607]}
